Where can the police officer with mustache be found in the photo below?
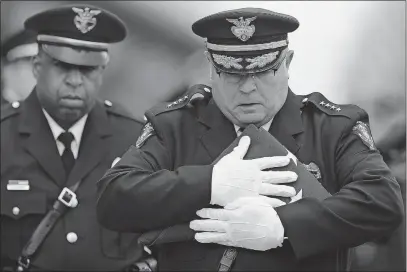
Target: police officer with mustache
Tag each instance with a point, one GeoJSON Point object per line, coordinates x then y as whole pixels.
{"type": "Point", "coordinates": [169, 177]}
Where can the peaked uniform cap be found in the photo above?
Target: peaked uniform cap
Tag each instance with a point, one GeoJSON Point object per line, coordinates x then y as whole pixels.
{"type": "Point", "coordinates": [20, 45]}
{"type": "Point", "coordinates": [247, 40]}
{"type": "Point", "coordinates": [268, 23]}
{"type": "Point", "coordinates": [77, 34]}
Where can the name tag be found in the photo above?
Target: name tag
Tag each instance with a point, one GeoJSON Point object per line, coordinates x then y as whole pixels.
{"type": "Point", "coordinates": [18, 185]}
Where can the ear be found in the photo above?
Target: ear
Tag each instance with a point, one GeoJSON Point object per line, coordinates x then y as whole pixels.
{"type": "Point", "coordinates": [289, 58]}
{"type": "Point", "coordinates": [211, 68]}
{"type": "Point", "coordinates": [36, 65]}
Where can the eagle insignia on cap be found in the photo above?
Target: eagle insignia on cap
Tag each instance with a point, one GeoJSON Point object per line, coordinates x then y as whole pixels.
{"type": "Point", "coordinates": [242, 28]}
{"type": "Point", "coordinates": [84, 19]}
{"type": "Point", "coordinates": [363, 131]}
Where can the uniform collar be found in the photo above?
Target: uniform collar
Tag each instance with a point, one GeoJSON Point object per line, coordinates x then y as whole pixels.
{"type": "Point", "coordinates": [266, 127]}
{"type": "Point", "coordinates": [76, 129]}
{"type": "Point", "coordinates": [31, 109]}
{"type": "Point", "coordinates": [285, 127]}
{"type": "Point", "coordinates": [289, 116]}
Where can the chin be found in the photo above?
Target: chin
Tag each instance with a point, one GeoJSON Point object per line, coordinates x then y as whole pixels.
{"type": "Point", "coordinates": [251, 118]}
{"type": "Point", "coordinates": [71, 114]}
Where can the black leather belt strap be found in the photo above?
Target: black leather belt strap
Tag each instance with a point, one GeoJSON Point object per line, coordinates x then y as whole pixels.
{"type": "Point", "coordinates": [61, 205]}
{"type": "Point", "coordinates": [229, 256]}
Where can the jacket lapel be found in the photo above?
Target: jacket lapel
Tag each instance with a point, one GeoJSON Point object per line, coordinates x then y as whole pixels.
{"type": "Point", "coordinates": [40, 142]}
{"type": "Point", "coordinates": [93, 144]}
{"type": "Point", "coordinates": [288, 123]}
{"type": "Point", "coordinates": [220, 133]}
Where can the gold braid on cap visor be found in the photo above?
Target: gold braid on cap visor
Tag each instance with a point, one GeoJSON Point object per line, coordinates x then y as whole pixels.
{"type": "Point", "coordinates": [259, 62]}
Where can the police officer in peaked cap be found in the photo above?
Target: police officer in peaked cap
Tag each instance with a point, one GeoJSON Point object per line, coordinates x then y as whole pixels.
{"type": "Point", "coordinates": [17, 79]}
{"type": "Point", "coordinates": [58, 143]}
{"type": "Point", "coordinates": [169, 177]}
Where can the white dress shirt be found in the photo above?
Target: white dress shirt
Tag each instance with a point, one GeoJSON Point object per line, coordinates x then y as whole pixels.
{"type": "Point", "coordinates": [76, 130]}
{"type": "Point", "coordinates": [266, 126]}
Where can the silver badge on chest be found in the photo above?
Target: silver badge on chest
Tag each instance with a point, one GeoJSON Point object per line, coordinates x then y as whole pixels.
{"type": "Point", "coordinates": [313, 169]}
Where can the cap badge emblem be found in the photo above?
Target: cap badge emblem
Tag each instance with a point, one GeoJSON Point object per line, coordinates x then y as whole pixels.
{"type": "Point", "coordinates": [242, 28]}
{"type": "Point", "coordinates": [84, 20]}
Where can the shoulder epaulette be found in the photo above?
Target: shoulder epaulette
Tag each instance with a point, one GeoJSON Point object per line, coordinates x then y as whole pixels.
{"type": "Point", "coordinates": [326, 106]}
{"type": "Point", "coordinates": [118, 110]}
{"type": "Point", "coordinates": [194, 94]}
{"type": "Point", "coordinates": [8, 110]}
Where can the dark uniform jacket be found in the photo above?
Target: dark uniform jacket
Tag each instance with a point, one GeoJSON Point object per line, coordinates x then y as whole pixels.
{"type": "Point", "coordinates": [29, 152]}
{"type": "Point", "coordinates": [168, 178]}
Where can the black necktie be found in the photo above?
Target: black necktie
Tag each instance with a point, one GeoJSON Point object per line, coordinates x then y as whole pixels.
{"type": "Point", "coordinates": [67, 157]}
{"type": "Point", "coordinates": [239, 131]}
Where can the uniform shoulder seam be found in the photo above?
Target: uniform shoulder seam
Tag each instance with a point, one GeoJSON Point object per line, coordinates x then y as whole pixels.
{"type": "Point", "coordinates": [7, 111]}
{"type": "Point", "coordinates": [323, 104]}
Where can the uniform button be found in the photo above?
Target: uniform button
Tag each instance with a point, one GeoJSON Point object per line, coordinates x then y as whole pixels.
{"type": "Point", "coordinates": [108, 103]}
{"type": "Point", "coordinates": [305, 100]}
{"type": "Point", "coordinates": [15, 104]}
{"type": "Point", "coordinates": [16, 210]}
{"type": "Point", "coordinates": [72, 237]}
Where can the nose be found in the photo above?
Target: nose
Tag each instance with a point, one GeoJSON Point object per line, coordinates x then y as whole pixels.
{"type": "Point", "coordinates": [74, 77]}
{"type": "Point", "coordinates": [248, 85]}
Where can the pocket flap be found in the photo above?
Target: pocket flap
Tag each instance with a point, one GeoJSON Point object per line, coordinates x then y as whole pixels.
{"type": "Point", "coordinates": [17, 204]}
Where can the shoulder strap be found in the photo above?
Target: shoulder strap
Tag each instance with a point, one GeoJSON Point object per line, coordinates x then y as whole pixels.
{"type": "Point", "coordinates": [8, 110]}
{"type": "Point", "coordinates": [321, 103]}
{"type": "Point", "coordinates": [66, 200]}
{"type": "Point", "coordinates": [193, 95]}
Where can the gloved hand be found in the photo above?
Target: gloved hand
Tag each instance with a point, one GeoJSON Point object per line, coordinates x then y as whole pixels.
{"type": "Point", "coordinates": [233, 177]}
{"type": "Point", "coordinates": [248, 222]}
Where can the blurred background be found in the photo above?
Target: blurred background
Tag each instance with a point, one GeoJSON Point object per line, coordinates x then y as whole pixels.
{"type": "Point", "coordinates": [350, 51]}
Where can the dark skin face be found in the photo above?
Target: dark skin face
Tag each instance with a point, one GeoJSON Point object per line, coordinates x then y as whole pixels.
{"type": "Point", "coordinates": [66, 91]}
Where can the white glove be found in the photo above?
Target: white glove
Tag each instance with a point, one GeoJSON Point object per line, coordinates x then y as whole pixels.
{"type": "Point", "coordinates": [248, 222]}
{"type": "Point", "coordinates": [233, 177]}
